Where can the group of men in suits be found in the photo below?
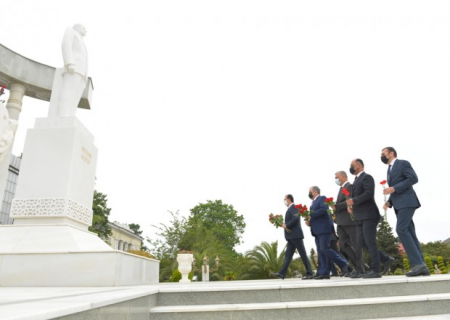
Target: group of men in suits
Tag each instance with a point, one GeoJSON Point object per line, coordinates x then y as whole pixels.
{"type": "Point", "coordinates": [357, 217]}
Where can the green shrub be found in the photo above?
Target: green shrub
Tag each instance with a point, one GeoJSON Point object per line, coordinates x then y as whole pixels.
{"type": "Point", "coordinates": [406, 266]}
{"type": "Point", "coordinates": [429, 265]}
{"type": "Point", "coordinates": [399, 272]}
{"type": "Point", "coordinates": [441, 265]}
{"type": "Point", "coordinates": [141, 253]}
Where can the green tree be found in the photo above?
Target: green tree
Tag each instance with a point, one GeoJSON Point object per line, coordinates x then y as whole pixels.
{"type": "Point", "coordinates": [388, 243]}
{"type": "Point", "coordinates": [264, 259]}
{"type": "Point", "coordinates": [220, 218]}
{"type": "Point", "coordinates": [166, 245]}
{"type": "Point", "coordinates": [136, 228]}
{"type": "Point", "coordinates": [101, 215]}
{"type": "Point", "coordinates": [436, 249]}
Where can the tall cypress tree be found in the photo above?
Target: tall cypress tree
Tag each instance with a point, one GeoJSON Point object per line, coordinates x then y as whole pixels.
{"type": "Point", "coordinates": [388, 243]}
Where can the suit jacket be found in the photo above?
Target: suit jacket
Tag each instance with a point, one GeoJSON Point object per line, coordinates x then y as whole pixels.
{"type": "Point", "coordinates": [402, 178]}
{"type": "Point", "coordinates": [74, 52]}
{"type": "Point", "coordinates": [342, 215]}
{"type": "Point", "coordinates": [321, 222]}
{"type": "Point", "coordinates": [364, 207]}
{"type": "Point", "coordinates": [293, 224]}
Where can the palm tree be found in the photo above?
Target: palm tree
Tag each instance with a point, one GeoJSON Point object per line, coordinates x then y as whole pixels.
{"type": "Point", "coordinates": [264, 259]}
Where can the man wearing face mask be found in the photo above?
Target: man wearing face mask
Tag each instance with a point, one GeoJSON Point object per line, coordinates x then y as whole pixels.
{"type": "Point", "coordinates": [322, 228]}
{"type": "Point", "coordinates": [346, 228]}
{"type": "Point", "coordinates": [401, 178]}
{"type": "Point", "coordinates": [294, 240]}
{"type": "Point", "coordinates": [367, 218]}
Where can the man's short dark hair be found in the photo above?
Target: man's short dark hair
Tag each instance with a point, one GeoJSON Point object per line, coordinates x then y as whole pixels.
{"type": "Point", "coordinates": [290, 197]}
{"type": "Point", "coordinates": [360, 162]}
{"type": "Point", "coordinates": [390, 149]}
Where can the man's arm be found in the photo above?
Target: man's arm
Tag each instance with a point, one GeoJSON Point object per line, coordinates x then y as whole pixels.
{"type": "Point", "coordinates": [368, 185]}
{"type": "Point", "coordinates": [410, 178]}
{"type": "Point", "coordinates": [67, 47]}
{"type": "Point", "coordinates": [294, 218]}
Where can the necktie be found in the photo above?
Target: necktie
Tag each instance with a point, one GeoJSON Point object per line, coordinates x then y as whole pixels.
{"type": "Point", "coordinates": [356, 178]}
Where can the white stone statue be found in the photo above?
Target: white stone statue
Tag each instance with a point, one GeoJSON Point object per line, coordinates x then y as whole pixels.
{"type": "Point", "coordinates": [7, 129]}
{"type": "Point", "coordinates": [70, 82]}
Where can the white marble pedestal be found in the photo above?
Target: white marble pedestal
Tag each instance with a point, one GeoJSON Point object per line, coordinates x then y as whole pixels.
{"type": "Point", "coordinates": [49, 243]}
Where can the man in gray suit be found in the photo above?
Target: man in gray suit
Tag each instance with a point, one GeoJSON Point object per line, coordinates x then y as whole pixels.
{"type": "Point", "coordinates": [346, 227]}
{"type": "Point", "coordinates": [401, 178]}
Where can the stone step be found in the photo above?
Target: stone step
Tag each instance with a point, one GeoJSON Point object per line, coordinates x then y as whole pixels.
{"type": "Point", "coordinates": [339, 309]}
{"type": "Point", "coordinates": [294, 290]}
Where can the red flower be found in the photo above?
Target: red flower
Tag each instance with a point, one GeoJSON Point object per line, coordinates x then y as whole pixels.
{"type": "Point", "coordinates": [329, 200]}
{"type": "Point", "coordinates": [383, 182]}
{"type": "Point", "coordinates": [298, 206]}
{"type": "Point", "coordinates": [345, 192]}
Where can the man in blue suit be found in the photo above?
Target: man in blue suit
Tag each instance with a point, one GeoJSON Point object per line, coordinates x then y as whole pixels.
{"type": "Point", "coordinates": [294, 240]}
{"type": "Point", "coordinates": [322, 228]}
{"type": "Point", "coordinates": [401, 178]}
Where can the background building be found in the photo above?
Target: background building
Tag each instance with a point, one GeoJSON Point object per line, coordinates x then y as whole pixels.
{"type": "Point", "coordinates": [10, 189]}
{"type": "Point", "coordinates": [123, 238]}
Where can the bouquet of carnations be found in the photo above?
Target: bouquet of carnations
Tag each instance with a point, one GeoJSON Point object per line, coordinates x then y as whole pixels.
{"type": "Point", "coordinates": [347, 196]}
{"type": "Point", "coordinates": [277, 221]}
{"type": "Point", "coordinates": [330, 202]}
{"type": "Point", "coordinates": [303, 212]}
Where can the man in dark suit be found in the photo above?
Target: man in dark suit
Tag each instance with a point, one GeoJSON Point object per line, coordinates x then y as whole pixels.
{"type": "Point", "coordinates": [322, 229]}
{"type": "Point", "coordinates": [367, 218]}
{"type": "Point", "coordinates": [346, 227]}
{"type": "Point", "coordinates": [294, 240]}
{"type": "Point", "coordinates": [401, 178]}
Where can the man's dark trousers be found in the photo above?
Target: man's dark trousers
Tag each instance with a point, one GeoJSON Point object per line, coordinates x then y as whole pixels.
{"type": "Point", "coordinates": [351, 247]}
{"type": "Point", "coordinates": [293, 244]}
{"type": "Point", "coordinates": [366, 234]}
{"type": "Point", "coordinates": [407, 233]}
{"type": "Point", "coordinates": [326, 254]}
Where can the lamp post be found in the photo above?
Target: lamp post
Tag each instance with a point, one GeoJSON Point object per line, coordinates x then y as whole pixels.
{"type": "Point", "coordinates": [205, 267]}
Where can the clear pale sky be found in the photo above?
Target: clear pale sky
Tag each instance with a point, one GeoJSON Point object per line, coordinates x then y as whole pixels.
{"type": "Point", "coordinates": [246, 101]}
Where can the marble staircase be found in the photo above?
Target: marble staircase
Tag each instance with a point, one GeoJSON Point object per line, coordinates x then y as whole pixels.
{"type": "Point", "coordinates": [339, 298]}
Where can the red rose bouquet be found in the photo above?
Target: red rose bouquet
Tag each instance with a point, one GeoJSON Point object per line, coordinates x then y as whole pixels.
{"type": "Point", "coordinates": [277, 221]}
{"type": "Point", "coordinates": [330, 202]}
{"type": "Point", "coordinates": [347, 196]}
{"type": "Point", "coordinates": [303, 212]}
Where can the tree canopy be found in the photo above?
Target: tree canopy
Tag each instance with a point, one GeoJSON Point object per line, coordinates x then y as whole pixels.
{"type": "Point", "coordinates": [101, 216]}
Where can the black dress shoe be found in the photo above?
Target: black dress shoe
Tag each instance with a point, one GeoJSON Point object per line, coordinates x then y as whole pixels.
{"type": "Point", "coordinates": [308, 277]}
{"type": "Point", "coordinates": [355, 275]}
{"type": "Point", "coordinates": [387, 265]}
{"type": "Point", "coordinates": [277, 275]}
{"type": "Point", "coordinates": [334, 275]}
{"type": "Point", "coordinates": [421, 270]}
{"type": "Point", "coordinates": [371, 275]}
{"type": "Point", "coordinates": [346, 270]}
{"type": "Point", "coordinates": [321, 277]}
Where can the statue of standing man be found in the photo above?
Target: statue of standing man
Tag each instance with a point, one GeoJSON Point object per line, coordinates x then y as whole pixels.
{"type": "Point", "coordinates": [70, 82]}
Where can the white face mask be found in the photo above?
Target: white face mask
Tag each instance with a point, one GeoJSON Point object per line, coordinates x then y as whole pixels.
{"type": "Point", "coordinates": [286, 203]}
{"type": "Point", "coordinates": [337, 182]}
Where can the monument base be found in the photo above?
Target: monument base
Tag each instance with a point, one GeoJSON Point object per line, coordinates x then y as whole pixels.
{"type": "Point", "coordinates": [64, 256]}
